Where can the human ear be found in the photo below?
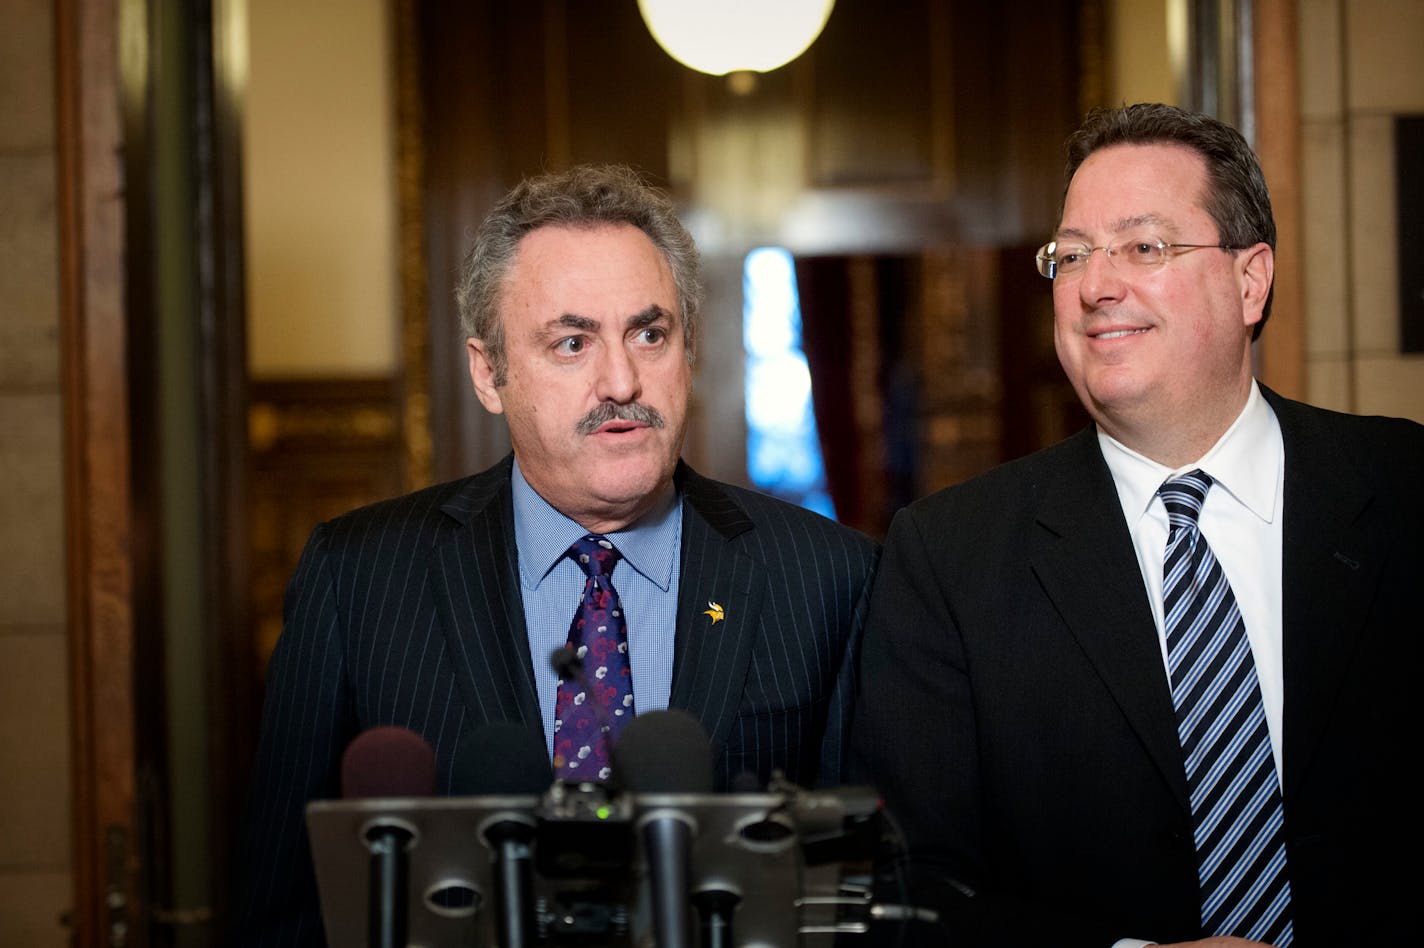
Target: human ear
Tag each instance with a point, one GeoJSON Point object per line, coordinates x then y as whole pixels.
{"type": "Point", "coordinates": [482, 376]}
{"type": "Point", "coordinates": [1255, 269]}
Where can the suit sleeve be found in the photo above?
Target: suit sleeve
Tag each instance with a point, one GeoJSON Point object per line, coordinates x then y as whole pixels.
{"type": "Point", "coordinates": [914, 736]}
{"type": "Point", "coordinates": [306, 724]}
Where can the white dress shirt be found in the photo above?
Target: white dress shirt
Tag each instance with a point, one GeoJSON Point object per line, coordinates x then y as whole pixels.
{"type": "Point", "coordinates": [1241, 519]}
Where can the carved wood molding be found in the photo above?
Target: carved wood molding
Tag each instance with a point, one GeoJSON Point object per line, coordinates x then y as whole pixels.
{"type": "Point", "coordinates": [319, 447]}
{"type": "Point", "coordinates": [417, 449]}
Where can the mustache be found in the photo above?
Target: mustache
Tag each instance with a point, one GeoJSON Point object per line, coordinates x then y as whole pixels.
{"type": "Point", "coordinates": [611, 411]}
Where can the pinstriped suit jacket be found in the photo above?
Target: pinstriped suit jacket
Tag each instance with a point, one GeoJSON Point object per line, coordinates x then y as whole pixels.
{"type": "Point", "coordinates": [409, 613]}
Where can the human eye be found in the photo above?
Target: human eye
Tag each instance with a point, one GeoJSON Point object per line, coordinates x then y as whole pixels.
{"type": "Point", "coordinates": [651, 336]}
{"type": "Point", "coordinates": [570, 346]}
{"type": "Point", "coordinates": [1070, 258]}
{"type": "Point", "coordinates": [1143, 250]}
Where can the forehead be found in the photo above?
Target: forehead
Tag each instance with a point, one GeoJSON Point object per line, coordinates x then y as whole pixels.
{"type": "Point", "coordinates": [602, 262]}
{"type": "Point", "coordinates": [1125, 186]}
{"type": "Point", "coordinates": [603, 276]}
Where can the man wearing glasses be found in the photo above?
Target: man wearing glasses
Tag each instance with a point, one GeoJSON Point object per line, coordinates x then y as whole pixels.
{"type": "Point", "coordinates": [1151, 684]}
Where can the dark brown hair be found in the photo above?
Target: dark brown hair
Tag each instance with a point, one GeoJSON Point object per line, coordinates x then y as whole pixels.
{"type": "Point", "coordinates": [1236, 197]}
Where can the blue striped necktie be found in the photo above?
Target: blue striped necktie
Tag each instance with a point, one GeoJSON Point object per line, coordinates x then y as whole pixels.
{"type": "Point", "coordinates": [1236, 797]}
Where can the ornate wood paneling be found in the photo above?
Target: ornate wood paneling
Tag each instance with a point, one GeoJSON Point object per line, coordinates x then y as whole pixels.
{"type": "Point", "coordinates": [319, 447]}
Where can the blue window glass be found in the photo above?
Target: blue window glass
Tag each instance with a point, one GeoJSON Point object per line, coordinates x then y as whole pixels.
{"type": "Point", "coordinates": [783, 446]}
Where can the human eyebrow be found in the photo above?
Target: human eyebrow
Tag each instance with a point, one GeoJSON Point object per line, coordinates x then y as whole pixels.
{"type": "Point", "coordinates": [567, 321]}
{"type": "Point", "coordinates": [1119, 226]}
{"type": "Point", "coordinates": [1140, 220]}
{"type": "Point", "coordinates": [648, 316]}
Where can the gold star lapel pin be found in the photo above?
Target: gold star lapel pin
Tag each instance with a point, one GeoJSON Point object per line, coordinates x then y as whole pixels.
{"type": "Point", "coordinates": [715, 612]}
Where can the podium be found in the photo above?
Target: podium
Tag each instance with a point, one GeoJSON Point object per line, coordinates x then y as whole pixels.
{"type": "Point", "coordinates": [766, 869]}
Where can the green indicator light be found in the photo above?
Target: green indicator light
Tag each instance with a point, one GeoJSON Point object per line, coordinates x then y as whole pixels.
{"type": "Point", "coordinates": [602, 812]}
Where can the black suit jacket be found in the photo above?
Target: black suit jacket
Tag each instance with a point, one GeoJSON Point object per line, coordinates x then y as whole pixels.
{"type": "Point", "coordinates": [1015, 713]}
{"type": "Point", "coordinates": [409, 613]}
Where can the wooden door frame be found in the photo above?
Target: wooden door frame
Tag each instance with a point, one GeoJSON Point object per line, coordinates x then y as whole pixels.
{"type": "Point", "coordinates": [104, 93]}
{"type": "Point", "coordinates": [98, 494]}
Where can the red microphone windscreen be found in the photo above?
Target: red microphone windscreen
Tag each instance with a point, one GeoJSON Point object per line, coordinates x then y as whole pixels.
{"type": "Point", "coordinates": [387, 761]}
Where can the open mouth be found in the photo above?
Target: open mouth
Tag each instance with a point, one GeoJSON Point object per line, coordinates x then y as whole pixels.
{"type": "Point", "coordinates": [1118, 333]}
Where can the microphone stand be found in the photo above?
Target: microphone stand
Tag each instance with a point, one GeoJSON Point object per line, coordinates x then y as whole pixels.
{"type": "Point", "coordinates": [514, 883]}
{"type": "Point", "coordinates": [715, 907]}
{"type": "Point", "coordinates": [386, 904]}
{"type": "Point", "coordinates": [667, 839]}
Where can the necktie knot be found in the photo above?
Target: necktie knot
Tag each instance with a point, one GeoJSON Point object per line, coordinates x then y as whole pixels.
{"type": "Point", "coordinates": [595, 555]}
{"type": "Point", "coordinates": [1183, 497]}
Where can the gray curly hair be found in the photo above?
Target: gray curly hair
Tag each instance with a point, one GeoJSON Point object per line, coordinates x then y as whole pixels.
{"type": "Point", "coordinates": [584, 196]}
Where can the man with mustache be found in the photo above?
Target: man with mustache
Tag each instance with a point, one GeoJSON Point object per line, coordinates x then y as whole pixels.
{"type": "Point", "coordinates": [439, 611]}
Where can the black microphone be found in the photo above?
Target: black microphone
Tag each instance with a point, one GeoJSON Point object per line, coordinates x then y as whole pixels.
{"type": "Point", "coordinates": [506, 759]}
{"type": "Point", "coordinates": [567, 663]}
{"type": "Point", "coordinates": [666, 752]}
{"type": "Point", "coordinates": [388, 761]}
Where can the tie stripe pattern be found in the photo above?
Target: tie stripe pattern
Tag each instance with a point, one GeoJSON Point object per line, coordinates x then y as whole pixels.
{"type": "Point", "coordinates": [591, 710]}
{"type": "Point", "coordinates": [1236, 800]}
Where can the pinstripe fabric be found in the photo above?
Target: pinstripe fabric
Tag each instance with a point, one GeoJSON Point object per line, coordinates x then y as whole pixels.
{"type": "Point", "coordinates": [408, 613]}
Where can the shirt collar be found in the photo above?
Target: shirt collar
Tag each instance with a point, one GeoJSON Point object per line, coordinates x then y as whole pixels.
{"type": "Point", "coordinates": [1245, 461]}
{"type": "Point", "coordinates": [543, 536]}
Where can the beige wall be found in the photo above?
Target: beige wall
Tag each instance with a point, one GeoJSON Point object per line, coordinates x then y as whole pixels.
{"type": "Point", "coordinates": [1360, 66]}
{"type": "Point", "coordinates": [34, 745]}
{"type": "Point", "coordinates": [320, 189]}
{"type": "Point", "coordinates": [1147, 49]}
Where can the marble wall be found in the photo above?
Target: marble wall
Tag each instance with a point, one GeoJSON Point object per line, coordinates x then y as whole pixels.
{"type": "Point", "coordinates": [1360, 67]}
{"type": "Point", "coordinates": [35, 878]}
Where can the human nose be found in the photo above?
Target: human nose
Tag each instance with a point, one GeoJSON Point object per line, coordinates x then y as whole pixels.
{"type": "Point", "coordinates": [618, 379]}
{"type": "Point", "coordinates": [1101, 279]}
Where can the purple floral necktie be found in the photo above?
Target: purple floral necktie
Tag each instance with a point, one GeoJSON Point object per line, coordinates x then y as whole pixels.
{"type": "Point", "coordinates": [586, 722]}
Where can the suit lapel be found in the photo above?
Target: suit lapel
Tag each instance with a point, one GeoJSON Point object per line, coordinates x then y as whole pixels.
{"type": "Point", "coordinates": [474, 578]}
{"type": "Point", "coordinates": [1083, 557]}
{"type": "Point", "coordinates": [712, 655]}
{"type": "Point", "coordinates": [1330, 572]}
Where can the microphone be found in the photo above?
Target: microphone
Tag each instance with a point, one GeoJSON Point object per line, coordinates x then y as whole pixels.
{"type": "Point", "coordinates": [567, 663]}
{"type": "Point", "coordinates": [388, 761]}
{"type": "Point", "coordinates": [506, 759]}
{"type": "Point", "coordinates": [501, 758]}
{"type": "Point", "coordinates": [666, 752]}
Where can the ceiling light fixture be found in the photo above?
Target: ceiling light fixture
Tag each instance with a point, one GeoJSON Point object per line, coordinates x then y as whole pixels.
{"type": "Point", "coordinates": [722, 37]}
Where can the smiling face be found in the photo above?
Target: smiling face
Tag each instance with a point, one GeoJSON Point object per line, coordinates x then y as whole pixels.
{"type": "Point", "coordinates": [1160, 357]}
{"type": "Point", "coordinates": [598, 373]}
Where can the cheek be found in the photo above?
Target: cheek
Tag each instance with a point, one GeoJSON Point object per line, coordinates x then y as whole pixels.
{"type": "Point", "coordinates": [1063, 341]}
{"type": "Point", "coordinates": [674, 384]}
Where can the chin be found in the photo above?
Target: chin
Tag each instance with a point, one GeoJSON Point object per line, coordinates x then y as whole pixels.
{"type": "Point", "coordinates": [631, 486]}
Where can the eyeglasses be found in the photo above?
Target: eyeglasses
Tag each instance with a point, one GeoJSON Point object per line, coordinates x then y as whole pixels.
{"type": "Point", "coordinates": [1056, 260]}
